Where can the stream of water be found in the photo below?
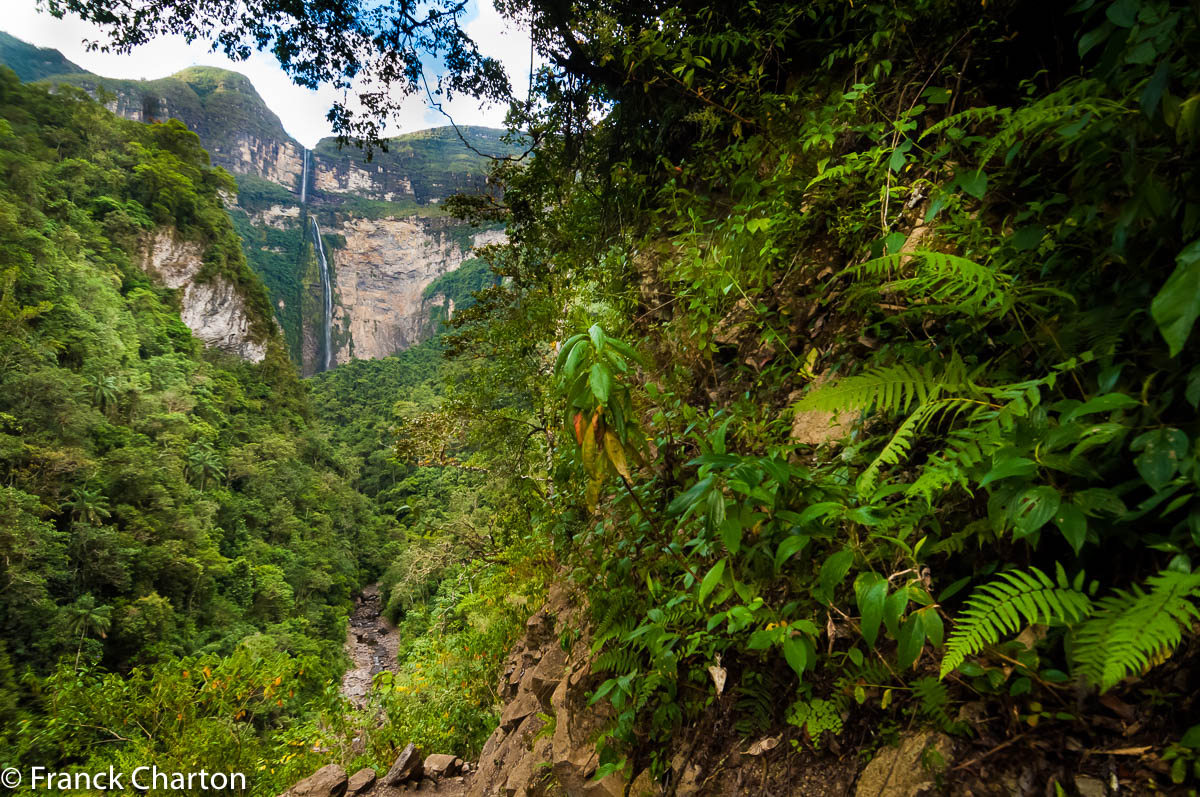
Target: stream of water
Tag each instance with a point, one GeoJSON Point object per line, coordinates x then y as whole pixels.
{"type": "Point", "coordinates": [327, 288]}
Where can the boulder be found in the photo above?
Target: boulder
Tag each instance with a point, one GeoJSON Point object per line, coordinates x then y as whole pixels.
{"type": "Point", "coordinates": [406, 767]}
{"type": "Point", "coordinates": [360, 781]}
{"type": "Point", "coordinates": [440, 765]}
{"type": "Point", "coordinates": [328, 781]}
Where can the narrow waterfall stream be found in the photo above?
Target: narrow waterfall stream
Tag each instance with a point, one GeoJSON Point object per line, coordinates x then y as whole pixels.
{"type": "Point", "coordinates": [371, 642]}
{"type": "Point", "coordinates": [327, 288]}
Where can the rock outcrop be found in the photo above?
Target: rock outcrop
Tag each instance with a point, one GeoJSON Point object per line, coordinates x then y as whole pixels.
{"type": "Point", "coordinates": [380, 276]}
{"type": "Point", "coordinates": [212, 308]}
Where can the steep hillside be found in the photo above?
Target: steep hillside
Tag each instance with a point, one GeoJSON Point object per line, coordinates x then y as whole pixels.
{"type": "Point", "coordinates": [34, 63]}
{"type": "Point", "coordinates": [170, 520]}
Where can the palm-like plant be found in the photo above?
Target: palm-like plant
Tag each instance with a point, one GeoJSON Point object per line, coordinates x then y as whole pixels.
{"type": "Point", "coordinates": [88, 504]}
{"type": "Point", "coordinates": [204, 466]}
{"type": "Point", "coordinates": [84, 616]}
{"type": "Point", "coordinates": [104, 391]}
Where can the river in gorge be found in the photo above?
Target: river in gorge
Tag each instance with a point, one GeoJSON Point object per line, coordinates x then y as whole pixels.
{"type": "Point", "coordinates": [371, 642]}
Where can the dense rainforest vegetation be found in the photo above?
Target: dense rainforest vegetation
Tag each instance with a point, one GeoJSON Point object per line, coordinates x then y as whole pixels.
{"type": "Point", "coordinates": [873, 368]}
{"type": "Point", "coordinates": [844, 347]}
{"type": "Point", "coordinates": [179, 543]}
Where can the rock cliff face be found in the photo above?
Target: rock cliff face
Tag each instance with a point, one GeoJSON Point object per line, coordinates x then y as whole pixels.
{"type": "Point", "coordinates": [213, 309]}
{"type": "Point", "coordinates": [381, 276]}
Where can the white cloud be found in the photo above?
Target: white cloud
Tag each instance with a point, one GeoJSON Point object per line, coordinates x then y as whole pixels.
{"type": "Point", "coordinates": [302, 111]}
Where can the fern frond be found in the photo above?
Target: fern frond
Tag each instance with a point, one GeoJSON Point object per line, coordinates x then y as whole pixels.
{"type": "Point", "coordinates": [853, 163]}
{"type": "Point", "coordinates": [1007, 603]}
{"type": "Point", "coordinates": [1131, 631]}
{"type": "Point", "coordinates": [617, 661]}
{"type": "Point", "coordinates": [902, 441]}
{"type": "Point", "coordinates": [943, 278]}
{"type": "Point", "coordinates": [890, 388]}
{"type": "Point", "coordinates": [971, 116]}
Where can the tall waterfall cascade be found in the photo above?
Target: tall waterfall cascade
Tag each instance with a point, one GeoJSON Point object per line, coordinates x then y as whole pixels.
{"type": "Point", "coordinates": [327, 288]}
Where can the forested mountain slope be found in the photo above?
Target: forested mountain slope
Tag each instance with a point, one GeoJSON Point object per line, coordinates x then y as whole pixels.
{"type": "Point", "coordinates": [169, 517]}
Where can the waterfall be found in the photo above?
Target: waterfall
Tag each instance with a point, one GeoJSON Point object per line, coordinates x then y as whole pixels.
{"type": "Point", "coordinates": [304, 179]}
{"type": "Point", "coordinates": [327, 287]}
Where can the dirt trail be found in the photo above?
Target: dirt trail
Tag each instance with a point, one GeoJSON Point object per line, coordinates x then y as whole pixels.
{"type": "Point", "coordinates": [371, 642]}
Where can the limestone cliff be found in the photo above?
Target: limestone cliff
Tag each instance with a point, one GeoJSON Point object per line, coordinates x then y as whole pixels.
{"type": "Point", "coordinates": [212, 308]}
{"type": "Point", "coordinates": [381, 275]}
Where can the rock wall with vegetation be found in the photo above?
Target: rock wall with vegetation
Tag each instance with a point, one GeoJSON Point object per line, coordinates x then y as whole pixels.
{"type": "Point", "coordinates": [398, 186]}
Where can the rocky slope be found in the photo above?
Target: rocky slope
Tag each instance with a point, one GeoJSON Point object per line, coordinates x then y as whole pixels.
{"type": "Point", "coordinates": [385, 239]}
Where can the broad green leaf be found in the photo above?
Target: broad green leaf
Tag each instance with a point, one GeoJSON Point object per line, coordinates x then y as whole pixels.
{"type": "Point", "coordinates": [796, 651]}
{"type": "Point", "coordinates": [1073, 525]}
{"type": "Point", "coordinates": [911, 640]}
{"type": "Point", "coordinates": [834, 571]}
{"type": "Point", "coordinates": [893, 608]}
{"type": "Point", "coordinates": [1027, 238]}
{"type": "Point", "coordinates": [1106, 403]}
{"type": "Point", "coordinates": [597, 336]}
{"type": "Point", "coordinates": [1032, 509]}
{"type": "Point", "coordinates": [600, 380]}
{"type": "Point", "coordinates": [1007, 468]}
{"type": "Point", "coordinates": [711, 579]}
{"type": "Point", "coordinates": [1099, 501]}
{"type": "Point", "coordinates": [935, 629]}
{"type": "Point", "coordinates": [716, 510]}
{"type": "Point", "coordinates": [763, 639]}
{"type": "Point", "coordinates": [974, 183]}
{"type": "Point", "coordinates": [870, 589]}
{"type": "Point", "coordinates": [819, 510]}
{"type": "Point", "coordinates": [1191, 738]}
{"type": "Point", "coordinates": [789, 547]}
{"type": "Point", "coordinates": [1192, 393]}
{"type": "Point", "coordinates": [574, 355]}
{"type": "Point", "coordinates": [1177, 304]}
{"type": "Point", "coordinates": [731, 529]}
{"type": "Point", "coordinates": [1123, 13]}
{"type": "Point", "coordinates": [1161, 452]}
{"type": "Point", "coordinates": [685, 500]}
{"type": "Point", "coordinates": [565, 350]}
{"type": "Point", "coordinates": [894, 242]}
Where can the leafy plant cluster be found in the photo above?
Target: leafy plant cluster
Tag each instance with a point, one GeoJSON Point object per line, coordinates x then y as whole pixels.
{"type": "Point", "coordinates": [869, 337]}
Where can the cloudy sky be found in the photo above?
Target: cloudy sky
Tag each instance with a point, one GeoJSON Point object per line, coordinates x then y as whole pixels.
{"type": "Point", "coordinates": [302, 111]}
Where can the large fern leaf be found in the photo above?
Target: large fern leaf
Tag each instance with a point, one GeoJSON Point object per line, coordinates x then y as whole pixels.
{"type": "Point", "coordinates": [1005, 605]}
{"type": "Point", "coordinates": [901, 443]}
{"type": "Point", "coordinates": [890, 388]}
{"type": "Point", "coordinates": [1131, 630]}
{"type": "Point", "coordinates": [943, 278]}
